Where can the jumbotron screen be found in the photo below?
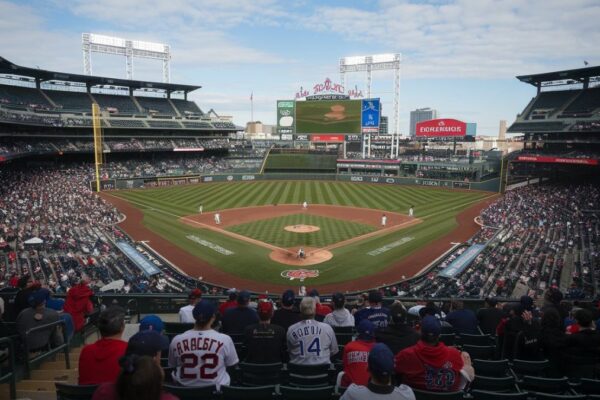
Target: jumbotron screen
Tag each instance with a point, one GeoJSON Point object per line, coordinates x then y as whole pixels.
{"type": "Point", "coordinates": [328, 116]}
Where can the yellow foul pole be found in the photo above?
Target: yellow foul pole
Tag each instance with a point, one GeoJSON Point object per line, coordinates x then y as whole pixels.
{"type": "Point", "coordinates": [96, 123]}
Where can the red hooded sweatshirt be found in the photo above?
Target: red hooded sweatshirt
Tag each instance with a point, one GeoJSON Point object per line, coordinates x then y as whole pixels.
{"type": "Point", "coordinates": [433, 368]}
{"type": "Point", "coordinates": [99, 362]}
{"type": "Point", "coordinates": [78, 304]}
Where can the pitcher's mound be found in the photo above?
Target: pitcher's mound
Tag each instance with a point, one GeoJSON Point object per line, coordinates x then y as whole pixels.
{"type": "Point", "coordinates": [301, 228]}
{"type": "Point", "coordinates": [290, 256]}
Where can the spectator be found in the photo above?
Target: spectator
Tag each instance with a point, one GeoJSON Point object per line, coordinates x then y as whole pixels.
{"type": "Point", "coordinates": [201, 355]}
{"type": "Point", "coordinates": [553, 341]}
{"type": "Point", "coordinates": [99, 362]}
{"type": "Point", "coordinates": [265, 342]}
{"type": "Point", "coordinates": [287, 315]}
{"type": "Point", "coordinates": [381, 385]}
{"type": "Point", "coordinates": [521, 332]}
{"type": "Point", "coordinates": [489, 317]}
{"type": "Point", "coordinates": [430, 365]}
{"type": "Point", "coordinates": [26, 288]}
{"type": "Point", "coordinates": [237, 319]}
{"type": "Point", "coordinates": [185, 312]}
{"type": "Point", "coordinates": [322, 309]}
{"type": "Point", "coordinates": [58, 306]}
{"type": "Point", "coordinates": [356, 354]}
{"type": "Point", "coordinates": [340, 316]}
{"type": "Point", "coordinates": [398, 335]}
{"type": "Point", "coordinates": [38, 315]}
{"type": "Point", "coordinates": [462, 319]}
{"type": "Point", "coordinates": [141, 375]}
{"type": "Point", "coordinates": [586, 342]}
{"type": "Point", "coordinates": [310, 342]}
{"type": "Point", "coordinates": [230, 303]}
{"type": "Point", "coordinates": [375, 313]}
{"type": "Point", "coordinates": [78, 303]}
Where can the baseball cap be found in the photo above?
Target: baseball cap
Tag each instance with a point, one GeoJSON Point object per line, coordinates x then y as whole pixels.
{"type": "Point", "coordinates": [147, 343]}
{"type": "Point", "coordinates": [232, 293]}
{"type": "Point", "coordinates": [313, 293]}
{"type": "Point", "coordinates": [381, 360]}
{"type": "Point", "coordinates": [243, 297]}
{"type": "Point", "coordinates": [38, 297]}
{"type": "Point", "coordinates": [526, 303]}
{"type": "Point", "coordinates": [366, 330]}
{"type": "Point", "coordinates": [203, 311]}
{"type": "Point", "coordinates": [397, 312]}
{"type": "Point", "coordinates": [338, 299]}
{"type": "Point", "coordinates": [375, 296]}
{"type": "Point", "coordinates": [195, 294]}
{"type": "Point", "coordinates": [431, 326]}
{"type": "Point", "coordinates": [152, 323]}
{"type": "Point", "coordinates": [265, 310]}
{"type": "Point", "coordinates": [287, 298]}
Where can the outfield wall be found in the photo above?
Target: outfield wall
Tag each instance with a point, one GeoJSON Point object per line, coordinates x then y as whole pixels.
{"type": "Point", "coordinates": [491, 185]}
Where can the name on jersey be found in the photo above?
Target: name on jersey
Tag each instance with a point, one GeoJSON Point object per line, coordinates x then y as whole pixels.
{"type": "Point", "coordinates": [199, 343]}
{"type": "Point", "coordinates": [306, 331]}
{"type": "Point", "coordinates": [358, 356]}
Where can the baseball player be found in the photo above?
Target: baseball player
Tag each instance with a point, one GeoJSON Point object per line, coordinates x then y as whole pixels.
{"type": "Point", "coordinates": [217, 218]}
{"type": "Point", "coordinates": [201, 355]}
{"type": "Point", "coordinates": [383, 220]}
{"type": "Point", "coordinates": [411, 211]}
{"type": "Point", "coordinates": [310, 342]}
{"type": "Point", "coordinates": [305, 205]}
{"type": "Point", "coordinates": [200, 209]}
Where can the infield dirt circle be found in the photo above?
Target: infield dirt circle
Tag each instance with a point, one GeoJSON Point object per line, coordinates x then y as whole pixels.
{"type": "Point", "coordinates": [302, 228]}
{"type": "Point", "coordinates": [290, 256]}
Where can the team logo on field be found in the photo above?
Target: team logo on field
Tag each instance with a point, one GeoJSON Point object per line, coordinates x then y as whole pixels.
{"type": "Point", "coordinates": [300, 274]}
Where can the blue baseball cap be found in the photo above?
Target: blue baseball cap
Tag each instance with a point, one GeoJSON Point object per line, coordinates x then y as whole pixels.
{"type": "Point", "coordinates": [431, 326]}
{"type": "Point", "coordinates": [204, 311]}
{"type": "Point", "coordinates": [243, 297]}
{"type": "Point", "coordinates": [366, 330]}
{"type": "Point", "coordinates": [147, 343]}
{"type": "Point", "coordinates": [38, 297]}
{"type": "Point", "coordinates": [381, 360]}
{"type": "Point", "coordinates": [152, 323]}
{"type": "Point", "coordinates": [288, 297]}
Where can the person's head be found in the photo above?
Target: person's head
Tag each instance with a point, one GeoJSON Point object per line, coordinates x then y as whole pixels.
{"type": "Point", "coordinates": [491, 302]}
{"type": "Point", "coordinates": [38, 298]}
{"type": "Point", "coordinates": [551, 319]}
{"type": "Point", "coordinates": [147, 343]}
{"type": "Point", "coordinates": [152, 323]}
{"type": "Point", "coordinates": [24, 281]}
{"type": "Point", "coordinates": [584, 318]}
{"type": "Point", "coordinates": [308, 307]}
{"type": "Point", "coordinates": [314, 294]}
{"type": "Point", "coordinates": [204, 314]}
{"type": "Point", "coordinates": [526, 303]}
{"type": "Point", "coordinates": [431, 329]}
{"type": "Point", "coordinates": [195, 296]}
{"type": "Point", "coordinates": [232, 294]}
{"type": "Point", "coordinates": [338, 300]}
{"type": "Point", "coordinates": [398, 313]}
{"type": "Point", "coordinates": [375, 298]}
{"type": "Point", "coordinates": [366, 330]}
{"type": "Point", "coordinates": [111, 321]}
{"type": "Point", "coordinates": [243, 298]}
{"type": "Point", "coordinates": [287, 299]}
{"type": "Point", "coordinates": [265, 310]}
{"type": "Point", "coordinates": [553, 296]}
{"type": "Point", "coordinates": [140, 378]}
{"type": "Point", "coordinates": [381, 364]}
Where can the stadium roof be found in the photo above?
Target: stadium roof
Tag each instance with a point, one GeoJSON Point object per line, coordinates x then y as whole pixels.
{"type": "Point", "coordinates": [578, 75]}
{"type": "Point", "coordinates": [7, 67]}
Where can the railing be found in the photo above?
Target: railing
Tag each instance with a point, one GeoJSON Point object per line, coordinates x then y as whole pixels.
{"type": "Point", "coordinates": [63, 347]}
{"type": "Point", "coordinates": [10, 375]}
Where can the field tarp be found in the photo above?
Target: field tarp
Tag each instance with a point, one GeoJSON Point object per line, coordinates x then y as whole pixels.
{"type": "Point", "coordinates": [462, 262]}
{"type": "Point", "coordinates": [138, 259]}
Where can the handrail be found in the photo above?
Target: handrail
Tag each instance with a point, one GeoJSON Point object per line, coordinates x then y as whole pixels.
{"type": "Point", "coordinates": [10, 376]}
{"type": "Point", "coordinates": [64, 347]}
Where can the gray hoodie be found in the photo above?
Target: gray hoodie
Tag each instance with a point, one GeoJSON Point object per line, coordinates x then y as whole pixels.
{"type": "Point", "coordinates": [339, 317]}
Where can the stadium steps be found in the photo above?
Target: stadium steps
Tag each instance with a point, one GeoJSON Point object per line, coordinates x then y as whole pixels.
{"type": "Point", "coordinates": [41, 384]}
{"type": "Point", "coordinates": [48, 99]}
{"type": "Point", "coordinates": [566, 104]}
{"type": "Point", "coordinates": [139, 107]}
{"type": "Point", "coordinates": [566, 275]}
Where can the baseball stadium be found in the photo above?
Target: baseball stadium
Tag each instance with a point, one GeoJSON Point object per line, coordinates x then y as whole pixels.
{"type": "Point", "coordinates": [125, 206]}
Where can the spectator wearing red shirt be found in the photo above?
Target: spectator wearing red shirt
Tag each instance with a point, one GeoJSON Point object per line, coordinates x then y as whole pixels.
{"type": "Point", "coordinates": [430, 365]}
{"type": "Point", "coordinates": [99, 362]}
{"type": "Point", "coordinates": [231, 303]}
{"type": "Point", "coordinates": [78, 303]}
{"type": "Point", "coordinates": [322, 309]}
{"type": "Point", "coordinates": [356, 354]}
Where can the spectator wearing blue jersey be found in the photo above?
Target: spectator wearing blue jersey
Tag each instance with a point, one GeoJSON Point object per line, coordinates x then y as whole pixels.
{"type": "Point", "coordinates": [375, 313]}
{"type": "Point", "coordinates": [464, 321]}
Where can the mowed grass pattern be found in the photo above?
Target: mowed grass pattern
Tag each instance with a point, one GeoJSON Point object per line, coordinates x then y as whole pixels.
{"type": "Point", "coordinates": [272, 230]}
{"type": "Point", "coordinates": [162, 208]}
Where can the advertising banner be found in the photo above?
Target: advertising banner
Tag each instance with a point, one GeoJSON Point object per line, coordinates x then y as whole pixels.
{"type": "Point", "coordinates": [370, 115]}
{"type": "Point", "coordinates": [143, 264]}
{"type": "Point", "coordinates": [462, 262]}
{"type": "Point", "coordinates": [445, 127]}
{"type": "Point", "coordinates": [286, 117]}
{"type": "Point", "coordinates": [558, 160]}
{"type": "Point", "coordinates": [327, 138]}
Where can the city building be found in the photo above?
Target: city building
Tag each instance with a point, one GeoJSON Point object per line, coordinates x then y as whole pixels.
{"type": "Point", "coordinates": [418, 115]}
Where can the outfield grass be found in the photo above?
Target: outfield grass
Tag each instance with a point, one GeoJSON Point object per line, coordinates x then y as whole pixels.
{"type": "Point", "coordinates": [436, 207]}
{"type": "Point", "coordinates": [272, 230]}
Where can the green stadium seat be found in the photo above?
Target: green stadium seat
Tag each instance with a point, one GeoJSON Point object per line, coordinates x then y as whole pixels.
{"type": "Point", "coordinates": [588, 386]}
{"type": "Point", "coordinates": [485, 395]}
{"type": "Point", "coordinates": [505, 384]}
{"type": "Point", "coordinates": [192, 393]}
{"type": "Point", "coordinates": [547, 396]}
{"type": "Point", "coordinates": [251, 374]}
{"type": "Point", "coordinates": [480, 352]}
{"type": "Point", "coordinates": [546, 385]}
{"type": "Point", "coordinates": [310, 376]}
{"type": "Point", "coordinates": [427, 395]}
{"type": "Point", "coordinates": [66, 391]}
{"type": "Point", "coordinates": [495, 368]}
{"type": "Point", "coordinates": [531, 368]}
{"type": "Point", "coordinates": [248, 393]}
{"type": "Point", "coordinates": [449, 339]}
{"type": "Point", "coordinates": [296, 393]}
{"type": "Point", "coordinates": [475, 340]}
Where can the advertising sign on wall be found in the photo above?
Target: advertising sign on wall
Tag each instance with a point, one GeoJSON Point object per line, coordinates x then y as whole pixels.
{"type": "Point", "coordinates": [286, 122]}
{"type": "Point", "coordinates": [445, 127]}
{"type": "Point", "coordinates": [327, 138]}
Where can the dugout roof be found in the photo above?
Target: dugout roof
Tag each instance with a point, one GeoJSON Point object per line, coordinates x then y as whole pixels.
{"type": "Point", "coordinates": [42, 75]}
{"type": "Point", "coordinates": [577, 75]}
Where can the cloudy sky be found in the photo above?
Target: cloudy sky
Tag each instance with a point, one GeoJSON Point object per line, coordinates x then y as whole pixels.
{"type": "Point", "coordinates": [459, 57]}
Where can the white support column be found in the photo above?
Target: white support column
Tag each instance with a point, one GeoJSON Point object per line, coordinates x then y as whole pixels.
{"type": "Point", "coordinates": [364, 145]}
{"type": "Point", "coordinates": [369, 146]}
{"type": "Point", "coordinates": [167, 65]}
{"type": "Point", "coordinates": [369, 78]}
{"type": "Point", "coordinates": [397, 99]}
{"type": "Point", "coordinates": [129, 59]}
{"type": "Point", "coordinates": [87, 54]}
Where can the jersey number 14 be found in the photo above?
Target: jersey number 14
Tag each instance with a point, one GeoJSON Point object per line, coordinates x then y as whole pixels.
{"type": "Point", "coordinates": [313, 347]}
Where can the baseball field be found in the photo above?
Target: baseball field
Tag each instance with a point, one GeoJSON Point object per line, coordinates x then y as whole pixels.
{"type": "Point", "coordinates": [263, 224]}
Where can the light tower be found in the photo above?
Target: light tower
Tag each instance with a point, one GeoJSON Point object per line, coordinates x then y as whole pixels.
{"type": "Point", "coordinates": [377, 62]}
{"type": "Point", "coordinates": [93, 43]}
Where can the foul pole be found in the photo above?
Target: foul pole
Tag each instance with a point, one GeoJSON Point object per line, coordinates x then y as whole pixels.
{"type": "Point", "coordinates": [97, 124]}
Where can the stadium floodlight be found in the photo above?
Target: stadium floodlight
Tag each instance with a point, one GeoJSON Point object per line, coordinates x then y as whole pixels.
{"type": "Point", "coordinates": [93, 43]}
{"type": "Point", "coordinates": [377, 62]}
